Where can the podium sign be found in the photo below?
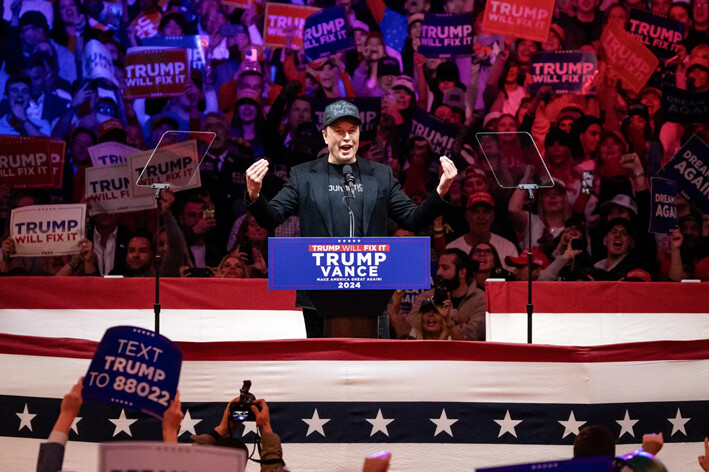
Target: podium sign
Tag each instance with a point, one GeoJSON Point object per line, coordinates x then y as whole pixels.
{"type": "Point", "coordinates": [349, 263]}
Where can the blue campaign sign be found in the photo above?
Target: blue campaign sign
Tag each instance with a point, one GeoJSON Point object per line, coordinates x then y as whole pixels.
{"type": "Point", "coordinates": [134, 368]}
{"type": "Point", "coordinates": [349, 263]}
{"type": "Point", "coordinates": [661, 34]}
{"type": "Point", "coordinates": [325, 33]}
{"type": "Point", "coordinates": [583, 464]}
{"type": "Point", "coordinates": [447, 35]}
{"type": "Point", "coordinates": [663, 218]}
{"type": "Point", "coordinates": [195, 45]}
{"type": "Point", "coordinates": [440, 134]}
{"type": "Point", "coordinates": [563, 71]}
{"type": "Point", "coordinates": [683, 106]}
{"type": "Point", "coordinates": [690, 169]}
{"type": "Point", "coordinates": [370, 112]}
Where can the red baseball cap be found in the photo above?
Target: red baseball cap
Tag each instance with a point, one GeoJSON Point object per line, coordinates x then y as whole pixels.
{"type": "Point", "coordinates": [637, 275]}
{"type": "Point", "coordinates": [480, 197]}
{"type": "Point", "coordinates": [538, 259]}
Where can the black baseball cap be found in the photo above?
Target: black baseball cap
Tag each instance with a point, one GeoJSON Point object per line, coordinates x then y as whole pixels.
{"type": "Point", "coordinates": [340, 109]}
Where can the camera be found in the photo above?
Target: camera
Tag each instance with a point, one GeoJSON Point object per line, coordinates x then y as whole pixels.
{"type": "Point", "coordinates": [241, 410]}
{"type": "Point", "coordinates": [578, 244]}
{"type": "Point", "coordinates": [440, 295]}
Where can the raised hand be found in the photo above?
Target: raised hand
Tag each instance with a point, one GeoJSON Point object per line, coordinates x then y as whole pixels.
{"type": "Point", "coordinates": [448, 175]}
{"type": "Point", "coordinates": [254, 178]}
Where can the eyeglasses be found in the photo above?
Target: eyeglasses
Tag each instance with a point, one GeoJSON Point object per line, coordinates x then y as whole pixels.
{"type": "Point", "coordinates": [482, 252]}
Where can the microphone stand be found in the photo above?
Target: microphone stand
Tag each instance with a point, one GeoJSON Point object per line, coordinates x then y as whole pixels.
{"type": "Point", "coordinates": [530, 188]}
{"type": "Point", "coordinates": [156, 307]}
{"type": "Point", "coordinates": [346, 202]}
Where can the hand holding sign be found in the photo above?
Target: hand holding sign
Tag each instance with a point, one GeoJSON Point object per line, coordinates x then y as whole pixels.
{"type": "Point", "coordinates": [136, 368]}
{"type": "Point", "coordinates": [172, 419]}
{"type": "Point", "coordinates": [676, 239]}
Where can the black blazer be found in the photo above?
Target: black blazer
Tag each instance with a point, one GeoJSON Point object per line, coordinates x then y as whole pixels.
{"type": "Point", "coordinates": [305, 194]}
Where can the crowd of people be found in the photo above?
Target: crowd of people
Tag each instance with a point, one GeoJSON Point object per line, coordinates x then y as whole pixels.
{"type": "Point", "coordinates": [601, 146]}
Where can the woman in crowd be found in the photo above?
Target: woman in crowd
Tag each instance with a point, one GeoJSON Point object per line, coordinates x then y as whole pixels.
{"type": "Point", "coordinates": [232, 267]}
{"type": "Point", "coordinates": [252, 247]}
{"type": "Point", "coordinates": [489, 264]}
{"type": "Point", "coordinates": [434, 323]}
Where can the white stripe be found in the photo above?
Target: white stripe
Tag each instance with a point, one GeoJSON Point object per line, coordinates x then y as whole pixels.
{"type": "Point", "coordinates": [589, 329]}
{"type": "Point", "coordinates": [178, 325]}
{"type": "Point", "coordinates": [20, 455]}
{"type": "Point", "coordinates": [373, 381]}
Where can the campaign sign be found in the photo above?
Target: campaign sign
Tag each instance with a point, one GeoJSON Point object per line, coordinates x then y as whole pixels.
{"type": "Point", "coordinates": [25, 162]}
{"type": "Point", "coordinates": [563, 71]}
{"type": "Point", "coordinates": [109, 190]}
{"type": "Point", "coordinates": [325, 33]}
{"type": "Point", "coordinates": [370, 112]}
{"type": "Point", "coordinates": [662, 35]}
{"type": "Point", "coordinates": [175, 164]}
{"type": "Point", "coordinates": [529, 19]}
{"type": "Point", "coordinates": [194, 44]}
{"type": "Point", "coordinates": [57, 152]}
{"type": "Point", "coordinates": [134, 368]}
{"type": "Point", "coordinates": [628, 57]}
{"type": "Point", "coordinates": [237, 3]}
{"type": "Point", "coordinates": [146, 26]}
{"type": "Point", "coordinates": [280, 16]}
{"type": "Point", "coordinates": [47, 230]}
{"type": "Point", "coordinates": [348, 263]}
{"type": "Point", "coordinates": [682, 106]}
{"type": "Point", "coordinates": [447, 35]}
{"type": "Point", "coordinates": [440, 134]}
{"type": "Point", "coordinates": [154, 456]}
{"type": "Point", "coordinates": [663, 218]}
{"type": "Point", "coordinates": [156, 72]}
{"type": "Point", "coordinates": [690, 169]}
{"type": "Point", "coordinates": [110, 153]}
{"type": "Point", "coordinates": [96, 62]}
{"type": "Point", "coordinates": [582, 464]}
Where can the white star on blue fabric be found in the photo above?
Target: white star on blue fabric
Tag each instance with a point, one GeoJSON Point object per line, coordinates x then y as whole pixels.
{"type": "Point", "coordinates": [571, 426]}
{"type": "Point", "coordinates": [315, 424]}
{"type": "Point", "coordinates": [379, 424]}
{"type": "Point", "coordinates": [188, 424]}
{"type": "Point", "coordinates": [678, 423]}
{"type": "Point", "coordinates": [443, 424]}
{"type": "Point", "coordinates": [25, 419]}
{"type": "Point", "coordinates": [122, 424]}
{"type": "Point", "coordinates": [507, 425]}
{"type": "Point", "coordinates": [626, 425]}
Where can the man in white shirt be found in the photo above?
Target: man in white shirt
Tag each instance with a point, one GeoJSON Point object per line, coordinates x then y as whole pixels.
{"type": "Point", "coordinates": [480, 214]}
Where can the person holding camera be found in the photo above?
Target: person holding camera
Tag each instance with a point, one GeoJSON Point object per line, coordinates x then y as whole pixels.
{"type": "Point", "coordinates": [245, 407]}
{"type": "Point", "coordinates": [454, 283]}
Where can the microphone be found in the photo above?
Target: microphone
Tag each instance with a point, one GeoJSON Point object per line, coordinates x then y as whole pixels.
{"type": "Point", "coordinates": [349, 177]}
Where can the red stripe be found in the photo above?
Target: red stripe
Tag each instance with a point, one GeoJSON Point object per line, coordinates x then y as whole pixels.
{"type": "Point", "coordinates": [599, 297]}
{"type": "Point", "coordinates": [379, 350]}
{"type": "Point", "coordinates": [137, 293]}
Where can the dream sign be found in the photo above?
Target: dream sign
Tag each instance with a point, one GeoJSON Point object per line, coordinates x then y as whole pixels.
{"type": "Point", "coordinates": [135, 368]}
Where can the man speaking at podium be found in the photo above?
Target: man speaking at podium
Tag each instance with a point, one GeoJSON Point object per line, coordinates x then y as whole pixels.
{"type": "Point", "coordinates": [315, 192]}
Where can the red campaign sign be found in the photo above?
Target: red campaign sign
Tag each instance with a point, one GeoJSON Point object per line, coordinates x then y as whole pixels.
{"type": "Point", "coordinates": [25, 162]}
{"type": "Point", "coordinates": [237, 3]}
{"type": "Point", "coordinates": [154, 72]}
{"type": "Point", "coordinates": [146, 26]}
{"type": "Point", "coordinates": [278, 18]}
{"type": "Point", "coordinates": [529, 19]}
{"type": "Point", "coordinates": [57, 151]}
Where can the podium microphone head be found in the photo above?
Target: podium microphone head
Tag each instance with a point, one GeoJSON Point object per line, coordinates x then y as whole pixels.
{"type": "Point", "coordinates": [349, 177]}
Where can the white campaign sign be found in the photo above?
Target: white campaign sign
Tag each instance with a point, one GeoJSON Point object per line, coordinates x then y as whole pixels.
{"type": "Point", "coordinates": [158, 456]}
{"type": "Point", "coordinates": [109, 190]}
{"type": "Point", "coordinates": [110, 153]}
{"type": "Point", "coordinates": [48, 230]}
